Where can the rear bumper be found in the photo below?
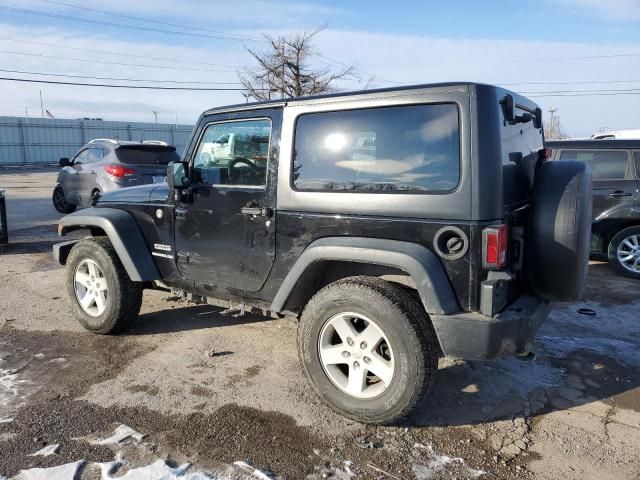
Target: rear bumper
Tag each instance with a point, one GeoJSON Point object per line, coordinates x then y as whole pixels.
{"type": "Point", "coordinates": [473, 336]}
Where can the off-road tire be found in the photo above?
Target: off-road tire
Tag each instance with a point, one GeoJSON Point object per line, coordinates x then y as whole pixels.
{"type": "Point", "coordinates": [410, 335]}
{"type": "Point", "coordinates": [60, 203]}
{"type": "Point", "coordinates": [124, 296]}
{"type": "Point", "coordinates": [613, 251]}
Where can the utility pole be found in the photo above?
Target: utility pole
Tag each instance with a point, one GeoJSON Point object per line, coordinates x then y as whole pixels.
{"type": "Point", "coordinates": [155, 114]}
{"type": "Point", "coordinates": [41, 105]}
{"type": "Point", "coordinates": [554, 125]}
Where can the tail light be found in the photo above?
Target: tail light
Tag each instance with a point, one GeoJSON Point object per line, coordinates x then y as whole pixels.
{"type": "Point", "coordinates": [119, 171]}
{"type": "Point", "coordinates": [494, 247]}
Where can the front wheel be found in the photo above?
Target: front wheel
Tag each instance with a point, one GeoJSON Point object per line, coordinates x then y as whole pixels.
{"type": "Point", "coordinates": [368, 349]}
{"type": "Point", "coordinates": [624, 252]}
{"type": "Point", "coordinates": [103, 297]}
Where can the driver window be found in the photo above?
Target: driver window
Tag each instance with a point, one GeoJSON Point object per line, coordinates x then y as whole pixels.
{"type": "Point", "coordinates": [233, 153]}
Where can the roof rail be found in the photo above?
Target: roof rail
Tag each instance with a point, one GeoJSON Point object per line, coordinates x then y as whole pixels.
{"type": "Point", "coordinates": [110, 140]}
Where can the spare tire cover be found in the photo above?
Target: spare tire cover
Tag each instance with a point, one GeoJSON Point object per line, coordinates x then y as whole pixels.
{"type": "Point", "coordinates": [560, 231]}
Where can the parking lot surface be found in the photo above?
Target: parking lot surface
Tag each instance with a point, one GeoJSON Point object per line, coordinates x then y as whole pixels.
{"type": "Point", "coordinates": [190, 393]}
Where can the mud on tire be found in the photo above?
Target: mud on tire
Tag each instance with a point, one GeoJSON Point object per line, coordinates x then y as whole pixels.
{"type": "Point", "coordinates": [123, 296]}
{"type": "Point", "coordinates": [404, 326]}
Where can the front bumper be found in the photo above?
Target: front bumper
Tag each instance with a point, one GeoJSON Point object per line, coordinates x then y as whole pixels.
{"type": "Point", "coordinates": [473, 336]}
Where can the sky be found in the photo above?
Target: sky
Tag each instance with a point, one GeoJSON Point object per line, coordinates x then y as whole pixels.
{"type": "Point", "coordinates": [579, 56]}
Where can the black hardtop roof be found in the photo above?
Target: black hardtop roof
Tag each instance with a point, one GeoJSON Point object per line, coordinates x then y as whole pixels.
{"type": "Point", "coordinates": [594, 144]}
{"type": "Point", "coordinates": [364, 93]}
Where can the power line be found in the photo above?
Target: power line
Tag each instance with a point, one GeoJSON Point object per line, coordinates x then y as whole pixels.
{"type": "Point", "coordinates": [146, 87]}
{"type": "Point", "coordinates": [132, 17]}
{"type": "Point", "coordinates": [589, 57]}
{"type": "Point", "coordinates": [569, 93]}
{"type": "Point", "coordinates": [48, 74]}
{"type": "Point", "coordinates": [116, 63]}
{"type": "Point", "coordinates": [119, 25]}
{"type": "Point", "coordinates": [583, 91]}
{"type": "Point", "coordinates": [602, 94]}
{"type": "Point", "coordinates": [111, 52]}
{"type": "Point", "coordinates": [571, 83]}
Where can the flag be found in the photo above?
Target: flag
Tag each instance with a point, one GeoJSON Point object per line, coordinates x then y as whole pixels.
{"type": "Point", "coordinates": [49, 114]}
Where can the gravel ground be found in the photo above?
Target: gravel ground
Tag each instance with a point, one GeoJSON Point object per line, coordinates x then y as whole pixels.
{"type": "Point", "coordinates": [210, 390]}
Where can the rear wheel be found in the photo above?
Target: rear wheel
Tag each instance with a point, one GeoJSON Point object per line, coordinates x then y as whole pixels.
{"type": "Point", "coordinates": [103, 298]}
{"type": "Point", "coordinates": [60, 201]}
{"type": "Point", "coordinates": [368, 349]}
{"type": "Point", "coordinates": [624, 252]}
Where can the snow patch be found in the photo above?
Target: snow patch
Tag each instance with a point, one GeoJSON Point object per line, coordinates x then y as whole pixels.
{"type": "Point", "coordinates": [68, 471]}
{"type": "Point", "coordinates": [120, 434]}
{"type": "Point", "coordinates": [427, 463]}
{"type": "Point", "coordinates": [158, 470]}
{"type": "Point", "coordinates": [9, 382]}
{"type": "Point", "coordinates": [245, 467]}
{"type": "Point", "coordinates": [46, 451]}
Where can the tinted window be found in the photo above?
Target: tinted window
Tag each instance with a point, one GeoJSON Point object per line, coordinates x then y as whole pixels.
{"type": "Point", "coordinates": [233, 153]}
{"type": "Point", "coordinates": [412, 148]}
{"type": "Point", "coordinates": [147, 154]}
{"type": "Point", "coordinates": [637, 157]}
{"type": "Point", "coordinates": [605, 165]}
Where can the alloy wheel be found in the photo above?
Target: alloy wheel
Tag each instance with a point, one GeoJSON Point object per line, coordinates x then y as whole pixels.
{"type": "Point", "coordinates": [356, 355]}
{"type": "Point", "coordinates": [629, 253]}
{"type": "Point", "coordinates": [91, 287]}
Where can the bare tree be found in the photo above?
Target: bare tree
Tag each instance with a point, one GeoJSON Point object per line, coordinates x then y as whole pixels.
{"type": "Point", "coordinates": [283, 69]}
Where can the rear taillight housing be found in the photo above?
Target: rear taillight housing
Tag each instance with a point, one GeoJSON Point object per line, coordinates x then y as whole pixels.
{"type": "Point", "coordinates": [119, 171]}
{"type": "Point", "coordinates": [494, 247]}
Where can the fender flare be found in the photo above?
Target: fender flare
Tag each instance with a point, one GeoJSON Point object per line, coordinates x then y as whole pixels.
{"type": "Point", "coordinates": [419, 262]}
{"type": "Point", "coordinates": [124, 234]}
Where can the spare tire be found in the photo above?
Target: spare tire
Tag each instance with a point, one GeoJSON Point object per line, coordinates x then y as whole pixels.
{"type": "Point", "coordinates": [560, 232]}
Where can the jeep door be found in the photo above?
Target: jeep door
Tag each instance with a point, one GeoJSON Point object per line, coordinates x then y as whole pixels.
{"type": "Point", "coordinates": [225, 223]}
{"type": "Point", "coordinates": [614, 184]}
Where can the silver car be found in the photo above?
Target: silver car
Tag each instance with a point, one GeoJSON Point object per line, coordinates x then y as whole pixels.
{"type": "Point", "coordinates": [105, 164]}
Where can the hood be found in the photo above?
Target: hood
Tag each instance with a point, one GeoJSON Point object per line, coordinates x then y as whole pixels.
{"type": "Point", "coordinates": [140, 194]}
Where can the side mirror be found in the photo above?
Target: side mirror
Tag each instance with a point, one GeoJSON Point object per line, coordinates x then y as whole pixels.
{"type": "Point", "coordinates": [64, 162]}
{"type": "Point", "coordinates": [177, 177]}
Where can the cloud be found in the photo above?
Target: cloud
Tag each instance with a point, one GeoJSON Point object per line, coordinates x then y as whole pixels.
{"type": "Point", "coordinates": [407, 59]}
{"type": "Point", "coordinates": [221, 16]}
{"type": "Point", "coordinates": [627, 10]}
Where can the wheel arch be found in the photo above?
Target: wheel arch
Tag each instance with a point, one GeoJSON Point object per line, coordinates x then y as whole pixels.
{"type": "Point", "coordinates": [123, 233]}
{"type": "Point", "coordinates": [606, 229]}
{"type": "Point", "coordinates": [332, 258]}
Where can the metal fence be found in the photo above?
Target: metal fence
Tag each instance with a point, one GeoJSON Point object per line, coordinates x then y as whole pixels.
{"type": "Point", "coordinates": [42, 141]}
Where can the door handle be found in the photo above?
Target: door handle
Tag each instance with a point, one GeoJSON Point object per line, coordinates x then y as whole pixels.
{"type": "Point", "coordinates": [257, 211]}
{"type": "Point", "coordinates": [619, 193]}
{"type": "Point", "coordinates": [180, 213]}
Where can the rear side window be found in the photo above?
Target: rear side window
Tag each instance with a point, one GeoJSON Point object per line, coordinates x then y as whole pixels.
{"type": "Point", "coordinates": [147, 155]}
{"type": "Point", "coordinates": [636, 154]}
{"type": "Point", "coordinates": [605, 164]}
{"type": "Point", "coordinates": [406, 148]}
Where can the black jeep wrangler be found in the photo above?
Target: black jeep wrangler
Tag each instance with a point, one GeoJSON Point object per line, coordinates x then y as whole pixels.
{"type": "Point", "coordinates": [397, 225]}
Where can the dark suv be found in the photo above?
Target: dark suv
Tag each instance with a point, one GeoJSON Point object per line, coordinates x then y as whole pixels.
{"type": "Point", "coordinates": [615, 166]}
{"type": "Point", "coordinates": [397, 225]}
